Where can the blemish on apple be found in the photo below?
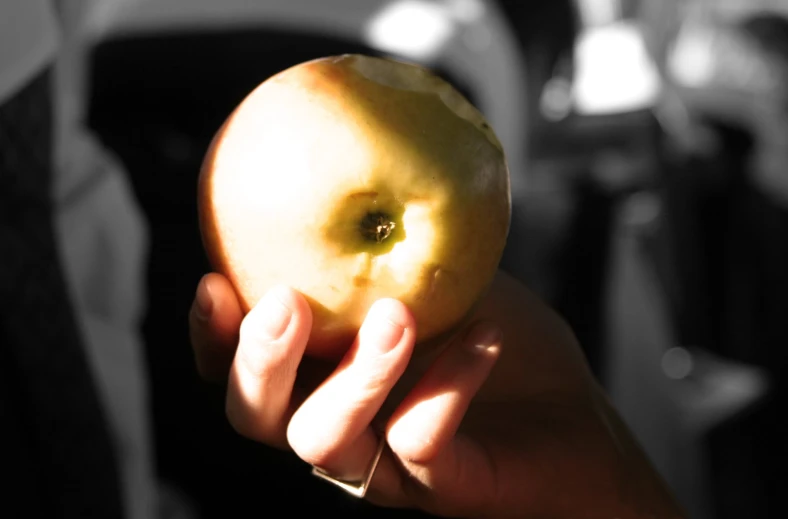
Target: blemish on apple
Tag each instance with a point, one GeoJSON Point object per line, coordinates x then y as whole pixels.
{"type": "Point", "coordinates": [433, 275]}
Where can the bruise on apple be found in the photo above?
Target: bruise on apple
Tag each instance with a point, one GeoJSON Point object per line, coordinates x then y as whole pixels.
{"type": "Point", "coordinates": [433, 274]}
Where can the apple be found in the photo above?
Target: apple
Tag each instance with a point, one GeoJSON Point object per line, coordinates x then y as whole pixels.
{"type": "Point", "coordinates": [353, 178]}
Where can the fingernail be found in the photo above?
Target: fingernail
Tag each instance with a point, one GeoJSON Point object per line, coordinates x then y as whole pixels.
{"type": "Point", "coordinates": [383, 331]}
{"type": "Point", "coordinates": [203, 303]}
{"type": "Point", "coordinates": [274, 316]}
{"type": "Point", "coordinates": [483, 337]}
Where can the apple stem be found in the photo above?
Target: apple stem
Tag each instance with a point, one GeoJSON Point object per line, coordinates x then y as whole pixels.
{"type": "Point", "coordinates": [377, 226]}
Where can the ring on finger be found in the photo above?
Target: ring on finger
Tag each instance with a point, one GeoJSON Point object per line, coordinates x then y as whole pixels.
{"type": "Point", "coordinates": [355, 488]}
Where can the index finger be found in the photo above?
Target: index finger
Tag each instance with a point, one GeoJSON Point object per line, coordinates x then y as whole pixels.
{"type": "Point", "coordinates": [214, 323]}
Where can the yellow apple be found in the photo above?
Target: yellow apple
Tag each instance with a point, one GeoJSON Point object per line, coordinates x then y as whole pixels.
{"type": "Point", "coordinates": [354, 178]}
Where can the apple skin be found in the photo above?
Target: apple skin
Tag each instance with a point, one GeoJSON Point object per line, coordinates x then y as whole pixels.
{"type": "Point", "coordinates": [297, 180]}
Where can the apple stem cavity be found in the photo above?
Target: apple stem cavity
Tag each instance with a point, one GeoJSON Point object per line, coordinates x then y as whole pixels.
{"type": "Point", "coordinates": [377, 227]}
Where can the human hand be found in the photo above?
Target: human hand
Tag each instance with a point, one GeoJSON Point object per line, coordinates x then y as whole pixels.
{"type": "Point", "coordinates": [504, 420]}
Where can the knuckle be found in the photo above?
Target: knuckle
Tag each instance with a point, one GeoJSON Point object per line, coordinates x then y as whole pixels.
{"type": "Point", "coordinates": [375, 378]}
{"type": "Point", "coordinates": [377, 383]}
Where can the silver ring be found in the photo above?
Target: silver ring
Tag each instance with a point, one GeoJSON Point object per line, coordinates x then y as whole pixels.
{"type": "Point", "coordinates": [355, 488]}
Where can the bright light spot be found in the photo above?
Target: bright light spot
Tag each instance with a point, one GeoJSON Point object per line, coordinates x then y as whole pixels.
{"type": "Point", "coordinates": [677, 363]}
{"type": "Point", "coordinates": [414, 29]}
{"type": "Point", "coordinates": [614, 72]}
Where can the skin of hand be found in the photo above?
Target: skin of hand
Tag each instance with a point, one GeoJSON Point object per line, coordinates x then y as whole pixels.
{"type": "Point", "coordinates": [502, 420]}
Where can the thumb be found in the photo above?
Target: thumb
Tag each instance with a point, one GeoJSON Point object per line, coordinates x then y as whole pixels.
{"type": "Point", "coordinates": [214, 321]}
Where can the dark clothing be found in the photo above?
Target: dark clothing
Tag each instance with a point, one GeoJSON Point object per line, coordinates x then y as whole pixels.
{"type": "Point", "coordinates": [56, 443]}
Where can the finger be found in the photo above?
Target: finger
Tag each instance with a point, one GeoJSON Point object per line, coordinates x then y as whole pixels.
{"type": "Point", "coordinates": [422, 431]}
{"type": "Point", "coordinates": [214, 319]}
{"type": "Point", "coordinates": [331, 429]}
{"type": "Point", "coordinates": [272, 341]}
{"type": "Point", "coordinates": [429, 416]}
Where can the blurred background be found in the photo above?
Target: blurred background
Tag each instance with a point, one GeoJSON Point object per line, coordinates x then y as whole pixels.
{"type": "Point", "coordinates": [648, 148]}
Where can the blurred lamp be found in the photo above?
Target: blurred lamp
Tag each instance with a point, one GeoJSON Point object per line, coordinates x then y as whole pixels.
{"type": "Point", "coordinates": [415, 29]}
{"type": "Point", "coordinates": [613, 71]}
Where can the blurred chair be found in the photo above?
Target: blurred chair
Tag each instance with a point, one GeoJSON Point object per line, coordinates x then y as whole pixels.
{"type": "Point", "coordinates": [705, 273]}
{"type": "Point", "coordinates": [671, 396]}
{"type": "Point", "coordinates": [742, 99]}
